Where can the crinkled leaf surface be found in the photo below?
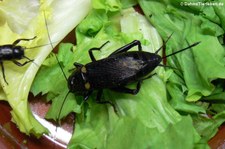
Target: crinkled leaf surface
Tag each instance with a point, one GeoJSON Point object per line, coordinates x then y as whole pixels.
{"type": "Point", "coordinates": [204, 62]}
{"type": "Point", "coordinates": [201, 67]}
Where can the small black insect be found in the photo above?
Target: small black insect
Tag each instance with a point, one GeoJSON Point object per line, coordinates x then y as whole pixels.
{"type": "Point", "coordinates": [119, 69]}
{"type": "Point", "coordinates": [13, 52]}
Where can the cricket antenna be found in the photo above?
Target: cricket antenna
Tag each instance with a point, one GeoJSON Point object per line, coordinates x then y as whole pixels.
{"type": "Point", "coordinates": [190, 46]}
{"type": "Point", "coordinates": [164, 44]}
{"type": "Point", "coordinates": [194, 44]}
{"type": "Point", "coordinates": [60, 110]}
{"type": "Point", "coordinates": [53, 48]}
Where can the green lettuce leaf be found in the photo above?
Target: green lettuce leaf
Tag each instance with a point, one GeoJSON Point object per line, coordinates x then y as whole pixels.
{"type": "Point", "coordinates": [200, 68]}
{"type": "Point", "coordinates": [204, 62]}
{"type": "Point", "coordinates": [109, 5]}
{"type": "Point", "coordinates": [16, 19]}
{"type": "Point", "coordinates": [135, 135]}
{"type": "Point", "coordinates": [208, 127]}
{"type": "Point", "coordinates": [21, 23]}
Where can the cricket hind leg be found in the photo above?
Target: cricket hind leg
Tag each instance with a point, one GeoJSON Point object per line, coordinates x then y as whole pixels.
{"type": "Point", "coordinates": [23, 39]}
{"type": "Point", "coordinates": [95, 49]}
{"type": "Point", "coordinates": [127, 47]}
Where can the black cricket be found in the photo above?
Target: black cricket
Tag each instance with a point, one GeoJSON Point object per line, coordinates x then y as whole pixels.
{"type": "Point", "coordinates": [119, 69]}
{"type": "Point", "coordinates": [13, 52]}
